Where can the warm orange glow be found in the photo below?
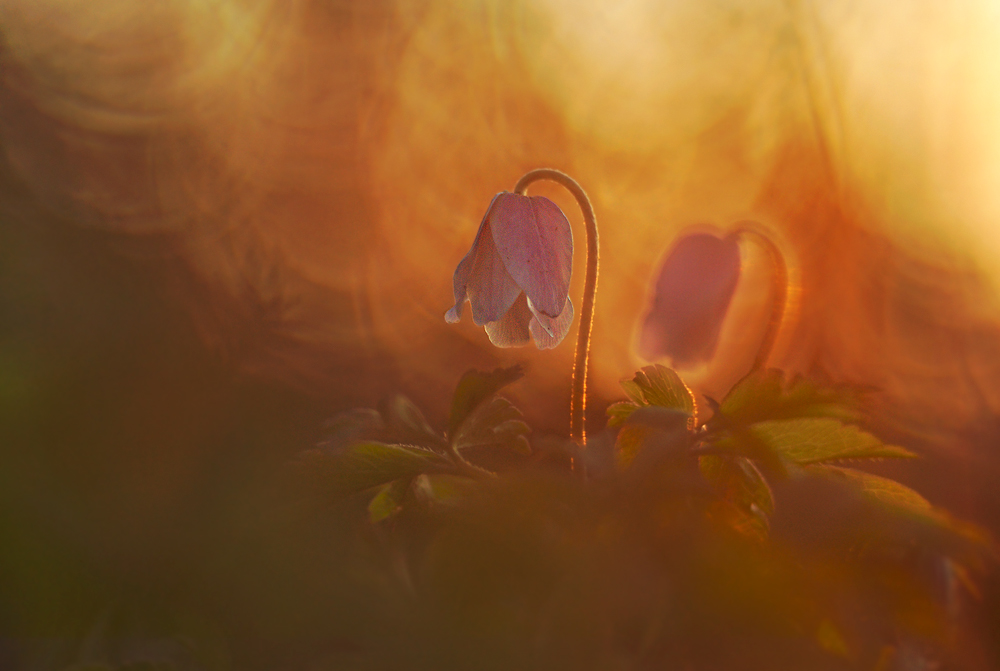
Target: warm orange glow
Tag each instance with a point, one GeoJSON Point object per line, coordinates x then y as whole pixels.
{"type": "Point", "coordinates": [332, 161]}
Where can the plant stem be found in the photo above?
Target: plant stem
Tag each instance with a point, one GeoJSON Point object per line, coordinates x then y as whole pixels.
{"type": "Point", "coordinates": [779, 286]}
{"type": "Point", "coordinates": [578, 400]}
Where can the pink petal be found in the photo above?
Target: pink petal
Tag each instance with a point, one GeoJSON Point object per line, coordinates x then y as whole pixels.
{"type": "Point", "coordinates": [460, 280]}
{"type": "Point", "coordinates": [491, 288]}
{"type": "Point", "coordinates": [534, 239]}
{"type": "Point", "coordinates": [548, 332]}
{"type": "Point", "coordinates": [691, 298]}
{"type": "Point", "coordinates": [512, 329]}
{"type": "Point", "coordinates": [482, 277]}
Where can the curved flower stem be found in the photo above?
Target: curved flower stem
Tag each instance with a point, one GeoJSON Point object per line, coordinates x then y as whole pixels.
{"type": "Point", "coordinates": [578, 400]}
{"type": "Point", "coordinates": [779, 285]}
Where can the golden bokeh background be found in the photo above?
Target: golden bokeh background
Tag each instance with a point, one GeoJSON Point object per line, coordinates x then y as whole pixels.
{"type": "Point", "coordinates": [330, 162]}
{"type": "Point", "coordinates": [295, 181]}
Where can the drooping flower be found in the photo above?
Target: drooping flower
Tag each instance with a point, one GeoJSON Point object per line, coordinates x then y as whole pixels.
{"type": "Point", "coordinates": [691, 297]}
{"type": "Point", "coordinates": [516, 276]}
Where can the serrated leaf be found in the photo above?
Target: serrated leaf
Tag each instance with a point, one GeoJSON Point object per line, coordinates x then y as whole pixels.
{"type": "Point", "coordinates": [407, 422]}
{"type": "Point", "coordinates": [663, 387]}
{"type": "Point", "coordinates": [738, 480]}
{"type": "Point", "coordinates": [766, 394]}
{"type": "Point", "coordinates": [619, 412]}
{"type": "Point", "coordinates": [365, 465]}
{"type": "Point", "coordinates": [633, 391]}
{"type": "Point", "coordinates": [496, 423]}
{"type": "Point", "coordinates": [474, 388]}
{"type": "Point", "coordinates": [814, 440]}
{"type": "Point", "coordinates": [388, 501]}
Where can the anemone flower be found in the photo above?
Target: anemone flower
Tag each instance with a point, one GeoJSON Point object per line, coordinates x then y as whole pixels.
{"type": "Point", "coordinates": [691, 297]}
{"type": "Point", "coordinates": [516, 276]}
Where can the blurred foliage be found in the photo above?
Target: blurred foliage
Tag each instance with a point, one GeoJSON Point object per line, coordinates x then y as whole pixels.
{"type": "Point", "coordinates": [391, 447]}
{"type": "Point", "coordinates": [742, 535]}
{"type": "Point", "coordinates": [738, 542]}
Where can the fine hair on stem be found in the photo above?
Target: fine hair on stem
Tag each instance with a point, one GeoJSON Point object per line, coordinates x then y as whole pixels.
{"type": "Point", "coordinates": [578, 399]}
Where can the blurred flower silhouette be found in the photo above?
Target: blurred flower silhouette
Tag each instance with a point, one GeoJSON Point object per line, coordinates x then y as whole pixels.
{"type": "Point", "coordinates": [691, 298]}
{"type": "Point", "coordinates": [517, 273]}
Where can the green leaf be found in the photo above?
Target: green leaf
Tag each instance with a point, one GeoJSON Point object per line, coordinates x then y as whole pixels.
{"type": "Point", "coordinates": [474, 388]}
{"type": "Point", "coordinates": [497, 423]}
{"type": "Point", "coordinates": [663, 427]}
{"type": "Point", "coordinates": [882, 490]}
{"type": "Point", "coordinates": [814, 440]}
{"type": "Point", "coordinates": [365, 465]}
{"type": "Point", "coordinates": [408, 424]}
{"type": "Point", "coordinates": [629, 442]}
{"type": "Point", "coordinates": [765, 394]}
{"type": "Point", "coordinates": [633, 391]}
{"type": "Point", "coordinates": [740, 441]}
{"type": "Point", "coordinates": [511, 434]}
{"type": "Point", "coordinates": [914, 520]}
{"type": "Point", "coordinates": [619, 412]}
{"type": "Point", "coordinates": [389, 500]}
{"type": "Point", "coordinates": [663, 387]}
{"type": "Point", "coordinates": [738, 480]}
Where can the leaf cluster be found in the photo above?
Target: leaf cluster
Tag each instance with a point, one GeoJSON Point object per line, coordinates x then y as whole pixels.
{"type": "Point", "coordinates": [743, 536]}
{"type": "Point", "coordinates": [396, 450]}
{"type": "Point", "coordinates": [765, 424]}
{"type": "Point", "coordinates": [793, 427]}
{"type": "Point", "coordinates": [772, 437]}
